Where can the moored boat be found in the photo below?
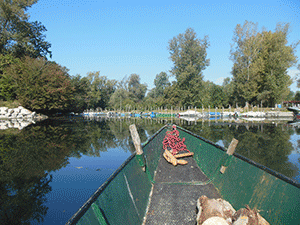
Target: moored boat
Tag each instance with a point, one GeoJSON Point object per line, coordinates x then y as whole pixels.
{"type": "Point", "coordinates": [296, 111]}
{"type": "Point", "coordinates": [146, 189]}
{"type": "Point", "coordinates": [191, 113]}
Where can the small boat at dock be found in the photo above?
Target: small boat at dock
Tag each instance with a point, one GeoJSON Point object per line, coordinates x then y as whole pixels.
{"type": "Point", "coordinates": [191, 113]}
{"type": "Point", "coordinates": [148, 189]}
{"type": "Point", "coordinates": [296, 111]}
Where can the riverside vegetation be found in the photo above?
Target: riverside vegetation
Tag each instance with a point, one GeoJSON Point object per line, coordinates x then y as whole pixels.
{"type": "Point", "coordinates": [27, 74]}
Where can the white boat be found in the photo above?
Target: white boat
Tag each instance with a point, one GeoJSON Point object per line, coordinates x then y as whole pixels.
{"type": "Point", "coordinates": [296, 111]}
{"type": "Point", "coordinates": [253, 118]}
{"type": "Point", "coordinates": [189, 119]}
{"type": "Point", "coordinates": [191, 113]}
{"type": "Point", "coordinates": [253, 114]}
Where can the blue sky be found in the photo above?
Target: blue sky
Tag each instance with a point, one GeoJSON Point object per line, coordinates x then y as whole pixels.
{"type": "Point", "coordinates": [119, 38]}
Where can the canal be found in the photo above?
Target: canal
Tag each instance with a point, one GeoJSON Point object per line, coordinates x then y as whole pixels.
{"type": "Point", "coordinates": [49, 169]}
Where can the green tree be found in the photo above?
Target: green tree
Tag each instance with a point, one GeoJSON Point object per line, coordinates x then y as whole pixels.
{"type": "Point", "coordinates": [188, 54]}
{"type": "Point", "coordinates": [81, 87]}
{"type": "Point", "coordinates": [7, 92]}
{"type": "Point", "coordinates": [136, 90]}
{"type": "Point", "coordinates": [261, 60]}
{"type": "Point", "coordinates": [41, 85]}
{"type": "Point", "coordinates": [121, 99]}
{"type": "Point", "coordinates": [129, 93]}
{"type": "Point", "coordinates": [18, 36]}
{"type": "Point", "coordinates": [100, 91]}
{"type": "Point", "coordinates": [155, 97]}
{"type": "Point", "coordinates": [244, 52]}
{"type": "Point", "coordinates": [297, 96]}
{"type": "Point", "coordinates": [161, 81]}
{"type": "Point", "coordinates": [216, 95]}
{"type": "Point", "coordinates": [228, 90]}
{"type": "Point", "coordinates": [277, 57]}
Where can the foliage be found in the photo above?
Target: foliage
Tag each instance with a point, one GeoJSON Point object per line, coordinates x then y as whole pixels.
{"type": "Point", "coordinates": [161, 82]}
{"type": "Point", "coordinates": [9, 104]}
{"type": "Point", "coordinates": [291, 96]}
{"type": "Point", "coordinates": [228, 92]}
{"type": "Point", "coordinates": [297, 96]}
{"type": "Point", "coordinates": [216, 95]}
{"type": "Point", "coordinates": [80, 99]}
{"type": "Point", "coordinates": [188, 54]}
{"type": "Point", "coordinates": [6, 85]}
{"type": "Point", "coordinates": [155, 97]}
{"type": "Point", "coordinates": [41, 85]}
{"type": "Point", "coordinates": [261, 60]}
{"type": "Point", "coordinates": [18, 36]}
{"type": "Point", "coordinates": [100, 90]}
{"type": "Point", "coordinates": [129, 94]}
{"type": "Point", "coordinates": [136, 90]}
{"type": "Point", "coordinates": [120, 99]}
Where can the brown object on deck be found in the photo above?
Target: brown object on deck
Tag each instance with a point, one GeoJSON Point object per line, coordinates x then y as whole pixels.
{"type": "Point", "coordinates": [173, 159]}
{"type": "Point", "coordinates": [184, 155]}
{"type": "Point", "coordinates": [169, 157]}
{"type": "Point", "coordinates": [230, 151]}
{"type": "Point", "coordinates": [181, 161]}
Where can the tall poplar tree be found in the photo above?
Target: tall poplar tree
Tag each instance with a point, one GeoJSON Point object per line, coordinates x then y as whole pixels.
{"type": "Point", "coordinates": [261, 60]}
{"type": "Point", "coordinates": [189, 56]}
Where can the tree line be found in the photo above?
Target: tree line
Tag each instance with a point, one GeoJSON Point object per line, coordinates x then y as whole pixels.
{"type": "Point", "coordinates": [261, 59]}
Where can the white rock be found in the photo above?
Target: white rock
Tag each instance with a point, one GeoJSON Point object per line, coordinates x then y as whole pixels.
{"type": "Point", "coordinates": [7, 115]}
{"type": "Point", "coordinates": [25, 111]}
{"type": "Point", "coordinates": [19, 116]}
{"type": "Point", "coordinates": [215, 221]}
{"type": "Point", "coordinates": [9, 111]}
{"type": "Point", "coordinates": [24, 124]}
{"type": "Point", "coordinates": [10, 125]}
{"type": "Point", "coordinates": [3, 110]}
{"type": "Point", "coordinates": [3, 127]}
{"type": "Point", "coordinates": [17, 110]}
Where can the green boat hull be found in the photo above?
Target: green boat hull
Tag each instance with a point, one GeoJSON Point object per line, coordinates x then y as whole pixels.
{"type": "Point", "coordinates": [125, 196]}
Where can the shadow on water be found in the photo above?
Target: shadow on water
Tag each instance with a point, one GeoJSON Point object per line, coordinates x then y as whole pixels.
{"type": "Point", "coordinates": [28, 156]}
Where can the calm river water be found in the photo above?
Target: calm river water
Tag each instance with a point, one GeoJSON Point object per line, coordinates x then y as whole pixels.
{"type": "Point", "coordinates": [49, 169]}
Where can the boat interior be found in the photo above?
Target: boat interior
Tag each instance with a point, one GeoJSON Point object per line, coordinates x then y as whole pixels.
{"type": "Point", "coordinates": [175, 193]}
